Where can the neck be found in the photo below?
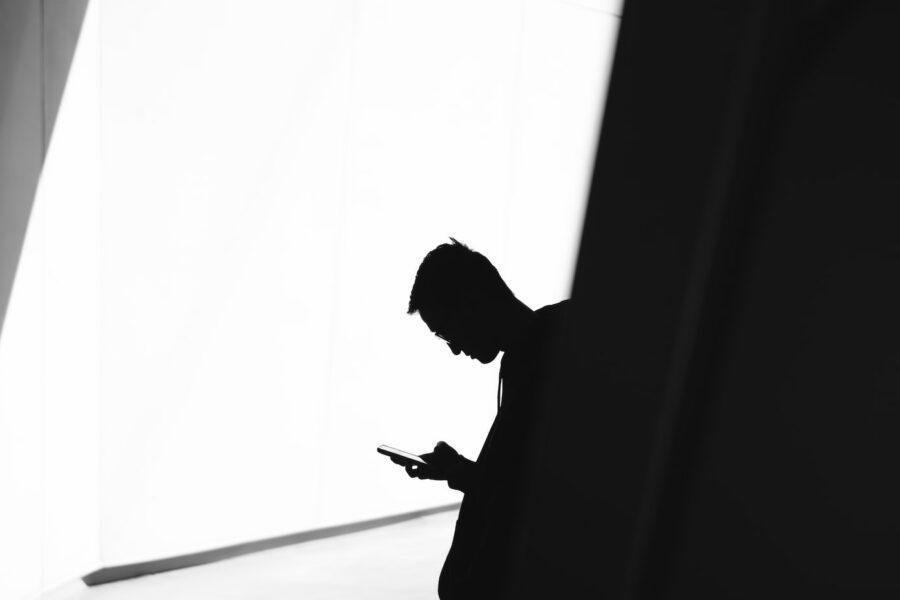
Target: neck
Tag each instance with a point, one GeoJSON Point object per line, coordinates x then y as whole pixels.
{"type": "Point", "coordinates": [514, 323]}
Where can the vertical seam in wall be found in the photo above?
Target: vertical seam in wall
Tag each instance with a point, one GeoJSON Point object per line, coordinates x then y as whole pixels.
{"type": "Point", "coordinates": [325, 417]}
{"type": "Point", "coordinates": [43, 79]}
{"type": "Point", "coordinates": [514, 134]}
{"type": "Point", "coordinates": [42, 89]}
{"type": "Point", "coordinates": [87, 14]}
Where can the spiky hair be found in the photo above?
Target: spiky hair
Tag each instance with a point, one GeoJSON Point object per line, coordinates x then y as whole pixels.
{"type": "Point", "coordinates": [453, 275]}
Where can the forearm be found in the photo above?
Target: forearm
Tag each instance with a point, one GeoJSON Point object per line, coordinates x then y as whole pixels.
{"type": "Point", "coordinates": [463, 475]}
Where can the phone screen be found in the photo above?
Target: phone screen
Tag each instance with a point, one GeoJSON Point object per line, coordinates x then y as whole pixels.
{"type": "Point", "coordinates": [406, 456]}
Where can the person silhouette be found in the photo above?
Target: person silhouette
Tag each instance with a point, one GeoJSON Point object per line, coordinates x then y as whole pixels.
{"type": "Point", "coordinates": [462, 299]}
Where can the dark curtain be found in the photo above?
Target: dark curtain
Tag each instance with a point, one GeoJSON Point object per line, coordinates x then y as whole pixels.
{"type": "Point", "coordinates": [723, 419]}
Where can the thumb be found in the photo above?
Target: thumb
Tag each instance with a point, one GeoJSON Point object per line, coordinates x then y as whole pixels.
{"type": "Point", "coordinates": [444, 448]}
{"type": "Point", "coordinates": [445, 452]}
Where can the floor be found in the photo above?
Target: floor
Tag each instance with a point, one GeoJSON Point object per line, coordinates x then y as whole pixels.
{"type": "Point", "coordinates": [396, 562]}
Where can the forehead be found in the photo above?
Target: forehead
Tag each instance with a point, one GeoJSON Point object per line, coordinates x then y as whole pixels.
{"type": "Point", "coordinates": [439, 321]}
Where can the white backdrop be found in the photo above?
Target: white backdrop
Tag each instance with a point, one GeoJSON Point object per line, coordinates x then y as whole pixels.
{"type": "Point", "coordinates": [207, 335]}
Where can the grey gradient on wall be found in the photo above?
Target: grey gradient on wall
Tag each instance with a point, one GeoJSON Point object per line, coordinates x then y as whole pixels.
{"type": "Point", "coordinates": [37, 42]}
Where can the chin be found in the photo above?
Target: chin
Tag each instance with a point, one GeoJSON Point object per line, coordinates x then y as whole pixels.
{"type": "Point", "coordinates": [488, 358]}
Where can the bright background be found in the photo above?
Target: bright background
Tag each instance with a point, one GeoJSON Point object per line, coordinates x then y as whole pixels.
{"type": "Point", "coordinates": [207, 338]}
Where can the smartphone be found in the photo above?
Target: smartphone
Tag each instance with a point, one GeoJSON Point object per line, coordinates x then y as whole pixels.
{"type": "Point", "coordinates": [405, 457]}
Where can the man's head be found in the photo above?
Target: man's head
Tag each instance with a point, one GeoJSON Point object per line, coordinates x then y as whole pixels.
{"type": "Point", "coordinates": [461, 296]}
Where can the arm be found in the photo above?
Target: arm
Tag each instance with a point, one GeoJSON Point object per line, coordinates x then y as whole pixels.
{"type": "Point", "coordinates": [446, 464]}
{"type": "Point", "coordinates": [463, 475]}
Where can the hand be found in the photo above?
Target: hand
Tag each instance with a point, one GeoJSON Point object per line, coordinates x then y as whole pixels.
{"type": "Point", "coordinates": [441, 461]}
{"type": "Point", "coordinates": [414, 470]}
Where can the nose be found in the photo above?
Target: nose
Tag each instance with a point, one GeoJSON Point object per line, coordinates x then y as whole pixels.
{"type": "Point", "coordinates": [454, 349]}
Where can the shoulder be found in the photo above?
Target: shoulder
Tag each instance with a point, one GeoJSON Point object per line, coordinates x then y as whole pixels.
{"type": "Point", "coordinates": [553, 315]}
{"type": "Point", "coordinates": [543, 330]}
{"type": "Point", "coordinates": [547, 325]}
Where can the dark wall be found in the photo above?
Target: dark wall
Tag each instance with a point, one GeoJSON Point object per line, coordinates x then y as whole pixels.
{"type": "Point", "coordinates": [794, 486]}
{"type": "Point", "coordinates": [725, 413]}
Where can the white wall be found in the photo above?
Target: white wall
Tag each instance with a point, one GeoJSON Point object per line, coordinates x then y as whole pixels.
{"type": "Point", "coordinates": [236, 198]}
{"type": "Point", "coordinates": [20, 421]}
{"type": "Point", "coordinates": [49, 492]}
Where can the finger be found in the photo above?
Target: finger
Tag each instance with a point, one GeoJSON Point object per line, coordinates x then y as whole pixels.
{"type": "Point", "coordinates": [424, 473]}
{"type": "Point", "coordinates": [411, 470]}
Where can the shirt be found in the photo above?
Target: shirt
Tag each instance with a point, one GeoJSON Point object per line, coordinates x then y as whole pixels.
{"type": "Point", "coordinates": [494, 485]}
